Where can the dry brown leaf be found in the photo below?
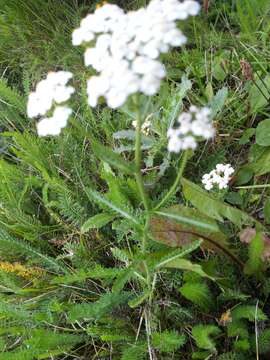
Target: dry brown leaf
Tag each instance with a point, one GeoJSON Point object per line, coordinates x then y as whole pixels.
{"type": "Point", "coordinates": [174, 234]}
{"type": "Point", "coordinates": [169, 232]}
{"type": "Point", "coordinates": [225, 318]}
{"type": "Point", "coordinates": [266, 251]}
{"type": "Point", "coordinates": [246, 68]}
{"type": "Point", "coordinates": [247, 235]}
{"type": "Point", "coordinates": [58, 242]}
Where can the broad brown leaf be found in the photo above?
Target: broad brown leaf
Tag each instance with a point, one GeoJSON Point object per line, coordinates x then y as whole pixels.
{"type": "Point", "coordinates": [175, 234]}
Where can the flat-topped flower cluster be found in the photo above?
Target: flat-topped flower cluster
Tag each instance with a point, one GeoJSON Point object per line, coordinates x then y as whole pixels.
{"type": "Point", "coordinates": [48, 94]}
{"type": "Point", "coordinates": [193, 126]}
{"type": "Point", "coordinates": [126, 47]}
{"type": "Point", "coordinates": [220, 177]}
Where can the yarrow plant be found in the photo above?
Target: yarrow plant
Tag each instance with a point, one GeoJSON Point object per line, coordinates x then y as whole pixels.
{"type": "Point", "coordinates": [124, 49]}
{"type": "Point", "coordinates": [220, 177]}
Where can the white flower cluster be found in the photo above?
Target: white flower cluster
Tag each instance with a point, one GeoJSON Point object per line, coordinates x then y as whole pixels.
{"type": "Point", "coordinates": [127, 47]}
{"type": "Point", "coordinates": [220, 176]}
{"type": "Point", "coordinates": [193, 126]}
{"type": "Point", "coordinates": [50, 91]}
{"type": "Point", "coordinates": [54, 124]}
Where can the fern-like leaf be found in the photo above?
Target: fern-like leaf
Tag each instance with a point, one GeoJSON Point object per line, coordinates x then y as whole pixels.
{"type": "Point", "coordinates": [168, 341]}
{"type": "Point", "coordinates": [7, 241]}
{"type": "Point", "coordinates": [198, 293]}
{"type": "Point", "coordinates": [202, 335]}
{"type": "Point", "coordinates": [96, 310]}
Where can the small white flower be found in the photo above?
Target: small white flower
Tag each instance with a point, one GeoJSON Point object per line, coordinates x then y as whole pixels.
{"type": "Point", "coordinates": [208, 186]}
{"type": "Point", "coordinates": [62, 93]}
{"type": "Point", "coordinates": [175, 38]}
{"type": "Point", "coordinates": [144, 65]}
{"type": "Point", "coordinates": [220, 177]}
{"type": "Point", "coordinates": [78, 37]}
{"type": "Point", "coordinates": [59, 77]}
{"type": "Point", "coordinates": [38, 104]}
{"type": "Point", "coordinates": [192, 7]}
{"type": "Point", "coordinates": [193, 126]}
{"type": "Point", "coordinates": [175, 144]}
{"type": "Point", "coordinates": [189, 142]}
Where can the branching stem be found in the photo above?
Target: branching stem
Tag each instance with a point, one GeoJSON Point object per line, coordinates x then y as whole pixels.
{"type": "Point", "coordinates": [173, 188]}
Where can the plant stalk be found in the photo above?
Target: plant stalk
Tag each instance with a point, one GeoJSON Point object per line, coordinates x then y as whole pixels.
{"type": "Point", "coordinates": [145, 200]}
{"type": "Point", "coordinates": [138, 155]}
{"type": "Point", "coordinates": [173, 188]}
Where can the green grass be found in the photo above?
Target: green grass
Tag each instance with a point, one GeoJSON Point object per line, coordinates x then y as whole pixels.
{"type": "Point", "coordinates": [70, 310]}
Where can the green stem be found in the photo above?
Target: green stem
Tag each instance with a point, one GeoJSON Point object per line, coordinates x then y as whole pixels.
{"type": "Point", "coordinates": [173, 188]}
{"type": "Point", "coordinates": [144, 197]}
{"type": "Point", "coordinates": [262, 186]}
{"type": "Point", "coordinates": [138, 156]}
{"type": "Point", "coordinates": [145, 233]}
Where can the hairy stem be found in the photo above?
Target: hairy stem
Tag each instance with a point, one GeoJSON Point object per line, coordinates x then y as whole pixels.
{"type": "Point", "coordinates": [145, 200]}
{"type": "Point", "coordinates": [173, 188]}
{"type": "Point", "coordinates": [138, 155]}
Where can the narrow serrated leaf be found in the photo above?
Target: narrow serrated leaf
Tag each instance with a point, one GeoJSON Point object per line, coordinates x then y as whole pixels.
{"type": "Point", "coordinates": [185, 250]}
{"type": "Point", "coordinates": [99, 199]}
{"type": "Point", "coordinates": [184, 264]}
{"type": "Point", "coordinates": [122, 279]}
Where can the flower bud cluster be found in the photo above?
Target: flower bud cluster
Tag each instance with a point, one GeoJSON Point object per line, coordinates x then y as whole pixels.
{"type": "Point", "coordinates": [193, 126]}
{"type": "Point", "coordinates": [146, 126]}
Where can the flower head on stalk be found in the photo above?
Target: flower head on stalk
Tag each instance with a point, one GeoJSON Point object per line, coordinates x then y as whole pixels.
{"type": "Point", "coordinates": [49, 93]}
{"type": "Point", "coordinates": [192, 126]}
{"type": "Point", "coordinates": [126, 47]}
{"type": "Point", "coordinates": [220, 176]}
